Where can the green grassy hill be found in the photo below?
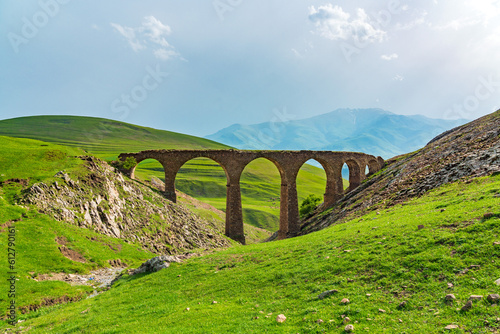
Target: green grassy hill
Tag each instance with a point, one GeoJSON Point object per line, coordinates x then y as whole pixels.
{"type": "Point", "coordinates": [200, 178]}
{"type": "Point", "coordinates": [394, 274]}
{"type": "Point", "coordinates": [25, 162]}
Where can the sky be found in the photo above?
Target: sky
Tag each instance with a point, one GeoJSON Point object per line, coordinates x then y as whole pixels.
{"type": "Point", "coordinates": [198, 66]}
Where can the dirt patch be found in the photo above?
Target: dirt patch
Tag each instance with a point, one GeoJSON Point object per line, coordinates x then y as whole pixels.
{"type": "Point", "coordinates": [117, 263]}
{"type": "Point", "coordinates": [116, 248]}
{"type": "Point", "coordinates": [22, 182]}
{"type": "Point", "coordinates": [6, 226]}
{"type": "Point", "coordinates": [50, 302]}
{"type": "Point", "coordinates": [72, 255]}
{"type": "Point", "coordinates": [62, 241]}
{"type": "Point", "coordinates": [455, 226]}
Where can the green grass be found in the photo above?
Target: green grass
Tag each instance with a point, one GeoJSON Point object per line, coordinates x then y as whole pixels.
{"type": "Point", "coordinates": [37, 253]}
{"type": "Point", "coordinates": [253, 234]}
{"type": "Point", "coordinates": [199, 178]}
{"type": "Point", "coordinates": [383, 254]}
{"type": "Point", "coordinates": [34, 160]}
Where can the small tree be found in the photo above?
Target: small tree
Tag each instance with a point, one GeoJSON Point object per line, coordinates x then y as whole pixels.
{"type": "Point", "coordinates": [130, 162]}
{"type": "Point", "coordinates": [308, 205]}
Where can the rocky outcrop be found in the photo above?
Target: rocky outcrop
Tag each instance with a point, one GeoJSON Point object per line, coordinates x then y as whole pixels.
{"type": "Point", "coordinates": [101, 199]}
{"type": "Point", "coordinates": [464, 153]}
{"type": "Point", "coordinates": [155, 264]}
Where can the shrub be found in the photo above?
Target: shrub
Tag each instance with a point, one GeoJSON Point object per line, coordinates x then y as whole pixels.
{"type": "Point", "coordinates": [308, 205]}
{"type": "Point", "coordinates": [129, 163]}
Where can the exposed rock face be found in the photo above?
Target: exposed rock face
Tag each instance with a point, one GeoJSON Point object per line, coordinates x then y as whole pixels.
{"type": "Point", "coordinates": [466, 152]}
{"type": "Point", "coordinates": [104, 201]}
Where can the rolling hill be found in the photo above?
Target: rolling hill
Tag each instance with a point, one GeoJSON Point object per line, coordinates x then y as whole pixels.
{"type": "Point", "coordinates": [374, 131]}
{"type": "Point", "coordinates": [200, 178]}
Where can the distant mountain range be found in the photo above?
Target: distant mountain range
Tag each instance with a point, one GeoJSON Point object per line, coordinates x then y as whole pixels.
{"type": "Point", "coordinates": [374, 131]}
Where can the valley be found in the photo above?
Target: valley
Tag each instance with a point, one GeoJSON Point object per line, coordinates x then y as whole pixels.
{"type": "Point", "coordinates": [386, 256]}
{"type": "Point", "coordinates": [199, 178]}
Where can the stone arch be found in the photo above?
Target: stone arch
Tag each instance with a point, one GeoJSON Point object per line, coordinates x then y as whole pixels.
{"type": "Point", "coordinates": [373, 166]}
{"type": "Point", "coordinates": [138, 158]}
{"type": "Point", "coordinates": [381, 162]}
{"type": "Point", "coordinates": [146, 161]}
{"type": "Point", "coordinates": [273, 185]}
{"type": "Point", "coordinates": [334, 186]}
{"type": "Point", "coordinates": [355, 174]}
{"type": "Point", "coordinates": [269, 158]}
{"type": "Point", "coordinates": [184, 177]}
{"type": "Point", "coordinates": [172, 167]}
{"type": "Point", "coordinates": [288, 164]}
{"type": "Point", "coordinates": [289, 211]}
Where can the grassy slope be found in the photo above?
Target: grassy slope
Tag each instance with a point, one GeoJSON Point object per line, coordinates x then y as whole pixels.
{"type": "Point", "coordinates": [384, 254]}
{"type": "Point", "coordinates": [37, 249]}
{"type": "Point", "coordinates": [198, 178]}
{"type": "Point", "coordinates": [36, 246]}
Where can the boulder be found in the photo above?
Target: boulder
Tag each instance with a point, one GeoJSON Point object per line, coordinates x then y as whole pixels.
{"type": "Point", "coordinates": [493, 298]}
{"type": "Point", "coordinates": [450, 297]}
{"type": "Point", "coordinates": [450, 327]}
{"type": "Point", "coordinates": [467, 306]}
{"type": "Point", "coordinates": [156, 264]}
{"type": "Point", "coordinates": [349, 328]}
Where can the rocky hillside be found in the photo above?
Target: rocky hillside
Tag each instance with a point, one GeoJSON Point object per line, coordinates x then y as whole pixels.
{"type": "Point", "coordinates": [464, 153]}
{"type": "Point", "coordinates": [102, 200]}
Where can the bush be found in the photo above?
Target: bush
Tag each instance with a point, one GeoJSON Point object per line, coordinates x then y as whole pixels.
{"type": "Point", "coordinates": [129, 163]}
{"type": "Point", "coordinates": [308, 205]}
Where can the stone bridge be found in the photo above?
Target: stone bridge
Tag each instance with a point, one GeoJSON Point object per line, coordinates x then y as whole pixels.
{"type": "Point", "coordinates": [288, 163]}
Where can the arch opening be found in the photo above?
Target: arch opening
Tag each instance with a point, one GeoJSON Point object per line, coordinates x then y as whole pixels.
{"type": "Point", "coordinates": [203, 179]}
{"type": "Point", "coordinates": [151, 172]}
{"type": "Point", "coordinates": [260, 184]}
{"type": "Point", "coordinates": [312, 189]}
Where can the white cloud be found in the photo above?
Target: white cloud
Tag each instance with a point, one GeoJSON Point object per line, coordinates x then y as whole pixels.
{"type": "Point", "coordinates": [164, 54]}
{"type": "Point", "coordinates": [390, 57]}
{"type": "Point", "coordinates": [458, 24]}
{"type": "Point", "coordinates": [130, 36]}
{"type": "Point", "coordinates": [152, 33]}
{"type": "Point", "coordinates": [333, 23]}
{"type": "Point", "coordinates": [471, 13]}
{"type": "Point", "coordinates": [156, 31]}
{"type": "Point", "coordinates": [398, 78]}
{"type": "Point", "coordinates": [297, 53]}
{"type": "Point", "coordinates": [420, 19]}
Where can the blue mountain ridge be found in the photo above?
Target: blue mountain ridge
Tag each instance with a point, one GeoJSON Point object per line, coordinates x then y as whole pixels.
{"type": "Point", "coordinates": [373, 131]}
